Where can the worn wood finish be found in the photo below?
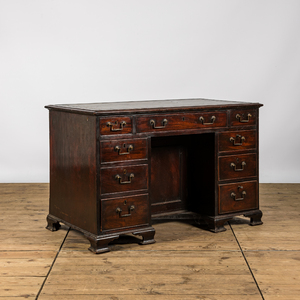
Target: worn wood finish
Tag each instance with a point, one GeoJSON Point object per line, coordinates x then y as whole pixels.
{"type": "Point", "coordinates": [115, 125]}
{"type": "Point", "coordinates": [27, 250]}
{"type": "Point", "coordinates": [237, 140]}
{"type": "Point", "coordinates": [167, 166]}
{"type": "Point", "coordinates": [125, 212]}
{"type": "Point", "coordinates": [129, 178]}
{"type": "Point", "coordinates": [173, 151]}
{"type": "Point", "coordinates": [240, 196]}
{"type": "Point", "coordinates": [73, 168]}
{"type": "Point", "coordinates": [237, 166]}
{"type": "Point", "coordinates": [243, 117]}
{"type": "Point", "coordinates": [167, 122]}
{"type": "Point", "coordinates": [129, 107]}
{"type": "Point", "coordinates": [123, 150]}
{"type": "Point", "coordinates": [185, 263]}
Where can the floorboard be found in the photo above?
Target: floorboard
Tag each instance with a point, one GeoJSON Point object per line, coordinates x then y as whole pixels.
{"type": "Point", "coordinates": [186, 262]}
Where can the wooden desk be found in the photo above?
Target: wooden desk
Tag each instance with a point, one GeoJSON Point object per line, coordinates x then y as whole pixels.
{"type": "Point", "coordinates": [115, 166]}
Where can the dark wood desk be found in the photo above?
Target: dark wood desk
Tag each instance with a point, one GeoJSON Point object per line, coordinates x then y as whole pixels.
{"type": "Point", "coordinates": [115, 166]}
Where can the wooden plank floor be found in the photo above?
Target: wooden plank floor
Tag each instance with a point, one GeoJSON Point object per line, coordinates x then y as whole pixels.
{"type": "Point", "coordinates": [261, 262]}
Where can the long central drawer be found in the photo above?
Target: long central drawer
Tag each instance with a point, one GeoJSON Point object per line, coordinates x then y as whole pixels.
{"type": "Point", "coordinates": [181, 121]}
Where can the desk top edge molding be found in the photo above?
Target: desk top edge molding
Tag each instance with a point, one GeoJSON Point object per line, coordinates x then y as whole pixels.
{"type": "Point", "coordinates": [140, 107]}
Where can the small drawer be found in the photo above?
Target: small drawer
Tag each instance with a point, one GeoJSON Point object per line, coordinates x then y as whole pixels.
{"type": "Point", "coordinates": [237, 196]}
{"type": "Point", "coordinates": [123, 179]}
{"type": "Point", "coordinates": [125, 212]}
{"type": "Point", "coordinates": [169, 122]}
{"type": "Point", "coordinates": [237, 140]}
{"type": "Point", "coordinates": [243, 117]}
{"type": "Point", "coordinates": [115, 125]}
{"type": "Point", "coordinates": [237, 166]}
{"type": "Point", "coordinates": [122, 150]}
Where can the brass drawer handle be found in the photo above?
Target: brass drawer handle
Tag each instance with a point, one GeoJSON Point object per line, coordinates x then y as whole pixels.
{"type": "Point", "coordinates": [238, 116]}
{"type": "Point", "coordinates": [118, 177]}
{"type": "Point", "coordinates": [164, 124]}
{"type": "Point", "coordinates": [130, 148]}
{"type": "Point", "coordinates": [238, 136]}
{"type": "Point", "coordinates": [119, 211]}
{"type": "Point", "coordinates": [233, 165]}
{"type": "Point", "coordinates": [233, 195]}
{"type": "Point", "coordinates": [212, 119]}
{"type": "Point", "coordinates": [122, 124]}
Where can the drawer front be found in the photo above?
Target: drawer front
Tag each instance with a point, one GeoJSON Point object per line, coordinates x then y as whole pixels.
{"type": "Point", "coordinates": [122, 150]}
{"type": "Point", "coordinates": [237, 166]}
{"type": "Point", "coordinates": [237, 140]}
{"type": "Point", "coordinates": [243, 117]}
{"type": "Point", "coordinates": [125, 212]}
{"type": "Point", "coordinates": [123, 179]}
{"type": "Point", "coordinates": [115, 125]}
{"type": "Point", "coordinates": [181, 121]}
{"type": "Point", "coordinates": [237, 196]}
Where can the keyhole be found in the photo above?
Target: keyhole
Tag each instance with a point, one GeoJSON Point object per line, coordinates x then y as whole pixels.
{"type": "Point", "coordinates": [183, 119]}
{"type": "Point", "coordinates": [124, 171]}
{"type": "Point", "coordinates": [237, 160]}
{"type": "Point", "coordinates": [125, 202]}
{"type": "Point", "coordinates": [124, 145]}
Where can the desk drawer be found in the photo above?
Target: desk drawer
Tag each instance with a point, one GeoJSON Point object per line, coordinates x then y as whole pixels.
{"type": "Point", "coordinates": [121, 150]}
{"type": "Point", "coordinates": [181, 121]}
{"type": "Point", "coordinates": [123, 179]}
{"type": "Point", "coordinates": [237, 196]}
{"type": "Point", "coordinates": [237, 166]}
{"type": "Point", "coordinates": [125, 212]}
{"type": "Point", "coordinates": [243, 117]}
{"type": "Point", "coordinates": [115, 125]}
{"type": "Point", "coordinates": [237, 140]}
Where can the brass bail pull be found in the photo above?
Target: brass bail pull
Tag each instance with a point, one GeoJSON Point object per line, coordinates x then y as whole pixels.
{"type": "Point", "coordinates": [118, 149]}
{"type": "Point", "coordinates": [236, 138]}
{"type": "Point", "coordinates": [122, 124]}
{"type": "Point", "coordinates": [130, 209]}
{"type": "Point", "coordinates": [233, 165]}
{"type": "Point", "coordinates": [239, 117]}
{"type": "Point", "coordinates": [119, 178]}
{"type": "Point", "coordinates": [212, 120]}
{"type": "Point", "coordinates": [164, 124]}
{"type": "Point", "coordinates": [233, 195]}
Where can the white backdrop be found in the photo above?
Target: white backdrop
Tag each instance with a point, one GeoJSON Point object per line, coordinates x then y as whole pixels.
{"type": "Point", "coordinates": [68, 51]}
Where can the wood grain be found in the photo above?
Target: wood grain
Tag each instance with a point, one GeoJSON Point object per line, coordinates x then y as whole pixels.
{"type": "Point", "coordinates": [185, 264]}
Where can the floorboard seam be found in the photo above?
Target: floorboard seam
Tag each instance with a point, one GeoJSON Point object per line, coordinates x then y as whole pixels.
{"type": "Point", "coordinates": [54, 260]}
{"type": "Point", "coordinates": [246, 262]}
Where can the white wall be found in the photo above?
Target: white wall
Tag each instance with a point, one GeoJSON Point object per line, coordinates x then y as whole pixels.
{"type": "Point", "coordinates": [66, 51]}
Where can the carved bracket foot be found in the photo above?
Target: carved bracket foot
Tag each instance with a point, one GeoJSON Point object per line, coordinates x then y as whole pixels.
{"type": "Point", "coordinates": [255, 217]}
{"type": "Point", "coordinates": [148, 236]}
{"type": "Point", "coordinates": [100, 245]}
{"type": "Point", "coordinates": [216, 225]}
{"type": "Point", "coordinates": [53, 224]}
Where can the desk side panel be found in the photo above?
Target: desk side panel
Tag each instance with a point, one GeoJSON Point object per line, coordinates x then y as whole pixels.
{"type": "Point", "coordinates": [73, 185]}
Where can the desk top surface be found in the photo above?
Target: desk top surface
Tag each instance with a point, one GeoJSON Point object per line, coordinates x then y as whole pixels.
{"type": "Point", "coordinates": [126, 107]}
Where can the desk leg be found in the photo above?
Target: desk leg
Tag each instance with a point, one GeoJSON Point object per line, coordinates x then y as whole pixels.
{"type": "Point", "coordinates": [100, 245]}
{"type": "Point", "coordinates": [216, 224]}
{"type": "Point", "coordinates": [53, 224]}
{"type": "Point", "coordinates": [255, 217]}
{"type": "Point", "coordinates": [148, 236]}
